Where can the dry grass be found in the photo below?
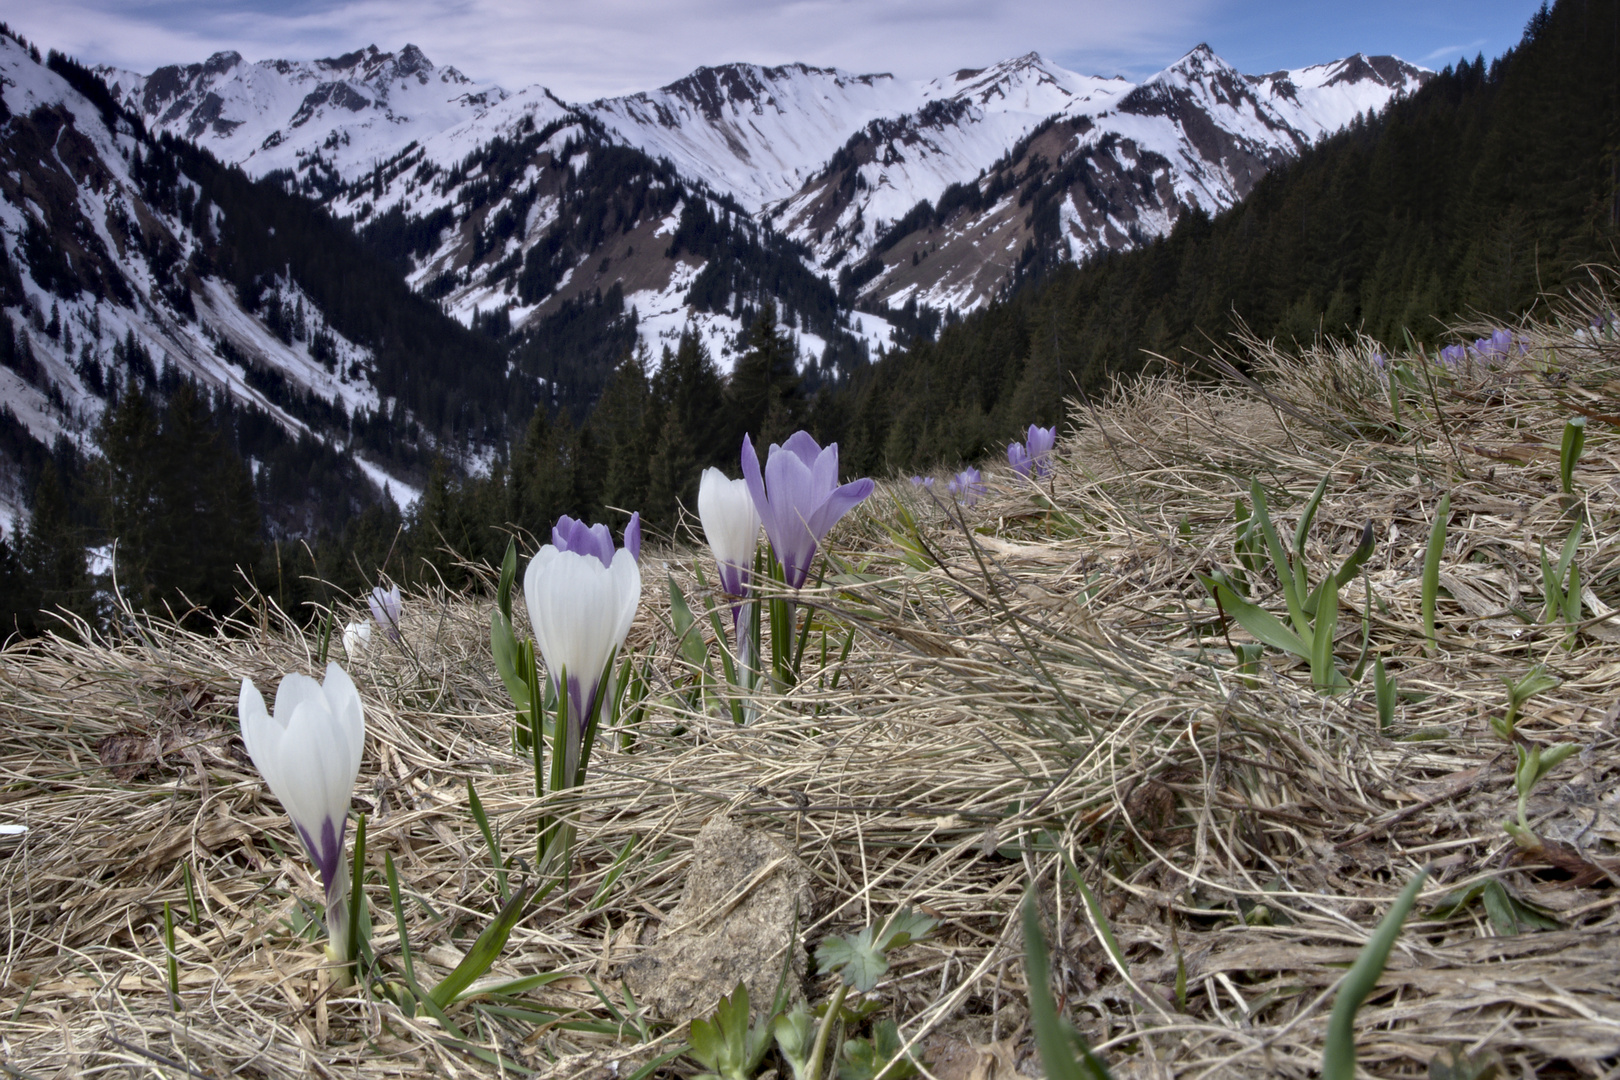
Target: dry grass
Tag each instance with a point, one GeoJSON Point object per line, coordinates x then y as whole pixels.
{"type": "Point", "coordinates": [1051, 678]}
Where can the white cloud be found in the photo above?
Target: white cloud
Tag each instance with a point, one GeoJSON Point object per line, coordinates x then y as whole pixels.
{"type": "Point", "coordinates": [1447, 53]}
{"type": "Point", "coordinates": [610, 47]}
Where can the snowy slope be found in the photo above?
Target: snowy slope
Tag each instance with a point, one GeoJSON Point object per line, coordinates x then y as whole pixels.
{"type": "Point", "coordinates": [341, 114]}
{"type": "Point", "coordinates": [127, 292]}
{"type": "Point", "coordinates": [1129, 158]}
{"type": "Point", "coordinates": [755, 133]}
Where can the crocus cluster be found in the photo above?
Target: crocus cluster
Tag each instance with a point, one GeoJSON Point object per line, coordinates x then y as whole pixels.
{"type": "Point", "coordinates": [308, 751]}
{"type": "Point", "coordinates": [799, 498]}
{"type": "Point", "coordinates": [967, 486]}
{"type": "Point", "coordinates": [924, 482]}
{"type": "Point", "coordinates": [385, 609]}
{"type": "Point", "coordinates": [1453, 355]}
{"type": "Point", "coordinates": [1498, 346]}
{"type": "Point", "coordinates": [582, 597]}
{"type": "Point", "coordinates": [1033, 456]}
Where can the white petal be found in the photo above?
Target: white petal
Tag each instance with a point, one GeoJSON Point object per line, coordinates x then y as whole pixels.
{"type": "Point", "coordinates": [344, 700]}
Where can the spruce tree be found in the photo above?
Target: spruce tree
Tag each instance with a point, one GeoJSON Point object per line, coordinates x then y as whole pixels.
{"type": "Point", "coordinates": [620, 426]}
{"type": "Point", "coordinates": [763, 395]}
{"type": "Point", "coordinates": [51, 555]}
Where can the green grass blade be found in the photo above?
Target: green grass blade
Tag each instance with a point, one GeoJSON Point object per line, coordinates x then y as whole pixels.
{"type": "Point", "coordinates": [1570, 452]}
{"type": "Point", "coordinates": [503, 592]}
{"type": "Point", "coordinates": [1327, 620]}
{"type": "Point", "coordinates": [1280, 564]}
{"type": "Point", "coordinates": [484, 952]}
{"type": "Point", "coordinates": [357, 898]}
{"type": "Point", "coordinates": [1384, 693]}
{"type": "Point", "coordinates": [1364, 549]}
{"type": "Point", "coordinates": [1339, 1052]}
{"type": "Point", "coordinates": [482, 819]}
{"type": "Point", "coordinates": [399, 924]}
{"type": "Point", "coordinates": [1256, 620]}
{"type": "Point", "coordinates": [620, 861]}
{"type": "Point", "coordinates": [170, 959]}
{"type": "Point", "coordinates": [1104, 931]}
{"type": "Point", "coordinates": [1302, 531]}
{"type": "Point", "coordinates": [1052, 1036]}
{"type": "Point", "coordinates": [1431, 571]}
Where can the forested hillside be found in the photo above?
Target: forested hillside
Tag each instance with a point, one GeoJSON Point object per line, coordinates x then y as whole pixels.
{"type": "Point", "coordinates": [1492, 186]}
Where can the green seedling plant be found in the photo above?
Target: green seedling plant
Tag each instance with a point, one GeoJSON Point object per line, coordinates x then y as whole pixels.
{"type": "Point", "coordinates": [1532, 683]}
{"type": "Point", "coordinates": [1383, 694]}
{"type": "Point", "coordinates": [1313, 613]}
{"type": "Point", "coordinates": [514, 659]}
{"type": "Point", "coordinates": [1507, 912]}
{"type": "Point", "coordinates": [1534, 763]}
{"type": "Point", "coordinates": [1339, 1051]}
{"type": "Point", "coordinates": [726, 1044]}
{"type": "Point", "coordinates": [1064, 1052]}
{"type": "Point", "coordinates": [1570, 453]}
{"type": "Point", "coordinates": [1561, 585]}
{"type": "Point", "coordinates": [859, 960]}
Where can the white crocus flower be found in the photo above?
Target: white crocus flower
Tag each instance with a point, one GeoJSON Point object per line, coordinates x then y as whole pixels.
{"type": "Point", "coordinates": [731, 526]}
{"type": "Point", "coordinates": [581, 610]}
{"type": "Point", "coordinates": [308, 751]}
{"type": "Point", "coordinates": [356, 636]}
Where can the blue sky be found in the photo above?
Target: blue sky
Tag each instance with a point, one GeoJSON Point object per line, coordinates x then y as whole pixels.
{"type": "Point", "coordinates": [582, 50]}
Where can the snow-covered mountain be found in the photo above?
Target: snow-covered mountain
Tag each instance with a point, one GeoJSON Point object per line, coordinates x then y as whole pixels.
{"type": "Point", "coordinates": [893, 190]}
{"type": "Point", "coordinates": [321, 119]}
{"type": "Point", "coordinates": [560, 228]}
{"type": "Point", "coordinates": [108, 271]}
{"type": "Point", "coordinates": [935, 205]}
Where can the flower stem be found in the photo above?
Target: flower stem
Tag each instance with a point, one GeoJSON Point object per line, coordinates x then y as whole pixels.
{"type": "Point", "coordinates": [812, 1071]}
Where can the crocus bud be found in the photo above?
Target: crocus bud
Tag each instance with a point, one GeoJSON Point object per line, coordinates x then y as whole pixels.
{"type": "Point", "coordinates": [967, 485]}
{"type": "Point", "coordinates": [386, 608]}
{"type": "Point", "coordinates": [308, 751]}
{"type": "Point", "coordinates": [356, 636]}
{"type": "Point", "coordinates": [581, 607]}
{"type": "Point", "coordinates": [731, 526]}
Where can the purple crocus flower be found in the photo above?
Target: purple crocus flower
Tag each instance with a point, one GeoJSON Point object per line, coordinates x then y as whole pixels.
{"type": "Point", "coordinates": [1018, 458]}
{"type": "Point", "coordinates": [1453, 355]}
{"type": "Point", "coordinates": [583, 539]}
{"type": "Point", "coordinates": [924, 482]}
{"type": "Point", "coordinates": [1034, 453]}
{"type": "Point", "coordinates": [385, 608]}
{"type": "Point", "coordinates": [967, 485]}
{"type": "Point", "coordinates": [799, 498]}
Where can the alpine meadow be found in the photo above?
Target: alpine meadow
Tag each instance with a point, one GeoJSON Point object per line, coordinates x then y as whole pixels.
{"type": "Point", "coordinates": [814, 574]}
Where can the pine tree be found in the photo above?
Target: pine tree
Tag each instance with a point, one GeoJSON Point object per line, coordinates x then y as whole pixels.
{"type": "Point", "coordinates": [673, 475]}
{"type": "Point", "coordinates": [764, 393]}
{"type": "Point", "coordinates": [126, 483]}
{"type": "Point", "coordinates": [619, 424]}
{"type": "Point", "coordinates": [51, 554]}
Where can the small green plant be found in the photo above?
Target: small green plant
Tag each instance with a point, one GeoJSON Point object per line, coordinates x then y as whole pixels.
{"type": "Point", "coordinates": [1534, 763]}
{"type": "Point", "coordinates": [1570, 452]}
{"type": "Point", "coordinates": [170, 958]}
{"type": "Point", "coordinates": [1384, 694]}
{"type": "Point", "coordinates": [726, 1045]}
{"type": "Point", "coordinates": [859, 960]}
{"type": "Point", "coordinates": [1339, 1051]}
{"type": "Point", "coordinates": [1065, 1054]}
{"type": "Point", "coordinates": [1313, 613]}
{"type": "Point", "coordinates": [1431, 571]}
{"type": "Point", "coordinates": [1561, 602]}
{"type": "Point", "coordinates": [1507, 911]}
{"type": "Point", "coordinates": [1534, 682]}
